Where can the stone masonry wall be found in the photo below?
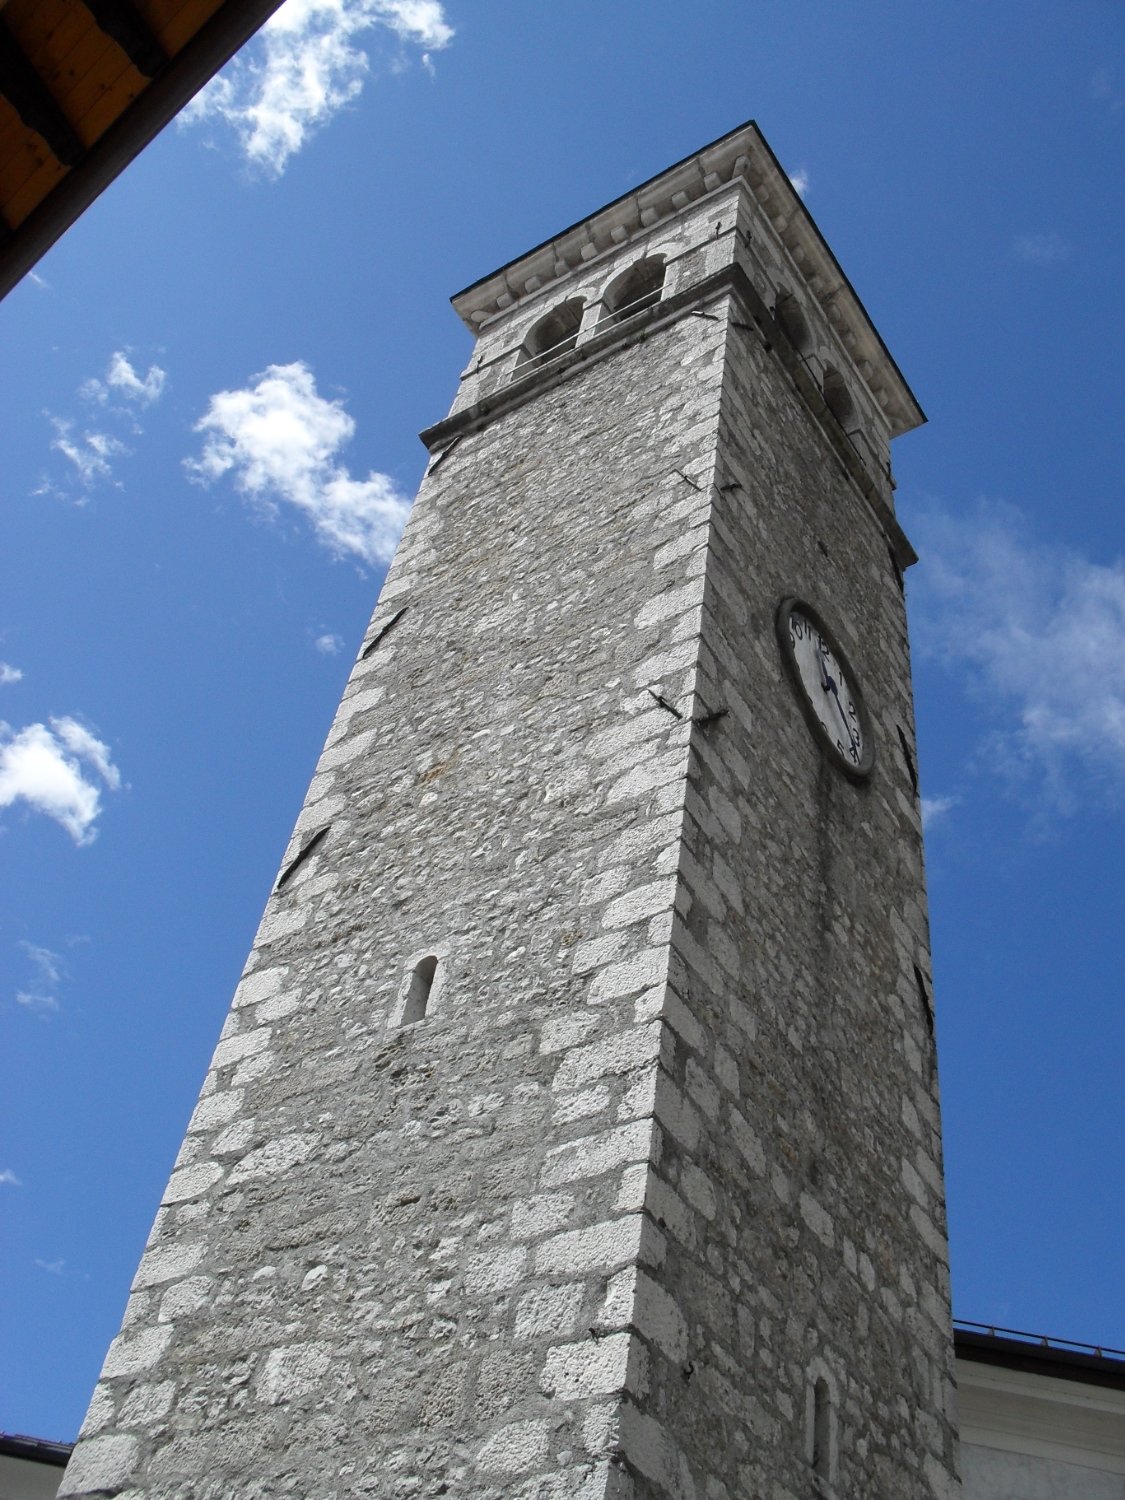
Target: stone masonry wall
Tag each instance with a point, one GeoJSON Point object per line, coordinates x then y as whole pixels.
{"type": "Point", "coordinates": [664, 1150]}
{"type": "Point", "coordinates": [382, 1252]}
{"type": "Point", "coordinates": [800, 1184]}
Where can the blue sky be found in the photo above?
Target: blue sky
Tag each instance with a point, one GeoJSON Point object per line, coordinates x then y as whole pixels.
{"type": "Point", "coordinates": [215, 382]}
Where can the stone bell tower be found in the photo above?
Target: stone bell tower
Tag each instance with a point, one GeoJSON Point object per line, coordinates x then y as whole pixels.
{"type": "Point", "coordinates": [574, 1131]}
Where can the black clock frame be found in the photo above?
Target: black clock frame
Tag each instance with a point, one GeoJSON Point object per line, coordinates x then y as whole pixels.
{"type": "Point", "coordinates": [857, 772]}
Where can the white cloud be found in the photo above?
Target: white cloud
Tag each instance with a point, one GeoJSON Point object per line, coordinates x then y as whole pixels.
{"type": "Point", "coordinates": [48, 964]}
{"type": "Point", "coordinates": [1043, 249]}
{"type": "Point", "coordinates": [329, 644]}
{"type": "Point", "coordinates": [1041, 632]}
{"type": "Point", "coordinates": [93, 450]}
{"type": "Point", "coordinates": [279, 440]}
{"type": "Point", "coordinates": [39, 996]}
{"type": "Point", "coordinates": [420, 21]}
{"type": "Point", "coordinates": [46, 768]}
{"type": "Point", "coordinates": [8, 1178]}
{"type": "Point", "coordinates": [37, 1001]}
{"type": "Point", "coordinates": [78, 739]}
{"type": "Point", "coordinates": [55, 1267]}
{"type": "Point", "coordinates": [122, 378]}
{"type": "Point", "coordinates": [9, 674]}
{"type": "Point", "coordinates": [800, 181]}
{"type": "Point", "coordinates": [90, 454]}
{"type": "Point", "coordinates": [304, 67]}
{"type": "Point", "coordinates": [934, 808]}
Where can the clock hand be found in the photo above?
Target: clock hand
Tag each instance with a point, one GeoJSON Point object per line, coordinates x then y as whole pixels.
{"type": "Point", "coordinates": [832, 688]}
{"type": "Point", "coordinates": [828, 685]}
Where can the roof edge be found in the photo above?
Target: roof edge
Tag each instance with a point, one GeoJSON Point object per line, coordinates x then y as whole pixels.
{"type": "Point", "coordinates": [35, 1450]}
{"type": "Point", "coordinates": [213, 45]}
{"type": "Point", "coordinates": [1040, 1357]}
{"type": "Point", "coordinates": [606, 207]}
{"type": "Point", "coordinates": [742, 153]}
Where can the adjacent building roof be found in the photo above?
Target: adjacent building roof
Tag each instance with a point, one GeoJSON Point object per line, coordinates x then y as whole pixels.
{"type": "Point", "coordinates": [37, 1450]}
{"type": "Point", "coordinates": [1038, 1354]}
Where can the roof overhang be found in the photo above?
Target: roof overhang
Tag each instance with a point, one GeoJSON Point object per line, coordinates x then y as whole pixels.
{"type": "Point", "coordinates": [84, 86]}
{"type": "Point", "coordinates": [742, 154]}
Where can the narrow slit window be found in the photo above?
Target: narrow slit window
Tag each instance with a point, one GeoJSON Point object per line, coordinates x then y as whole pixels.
{"type": "Point", "coordinates": [820, 1434]}
{"type": "Point", "coordinates": [421, 987]}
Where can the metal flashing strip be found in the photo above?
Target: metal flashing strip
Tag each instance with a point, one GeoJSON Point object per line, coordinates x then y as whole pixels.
{"type": "Point", "coordinates": [985, 1343]}
{"type": "Point", "coordinates": [35, 1450]}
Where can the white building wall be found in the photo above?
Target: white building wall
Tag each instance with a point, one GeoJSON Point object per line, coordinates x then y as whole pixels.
{"type": "Point", "coordinates": [1027, 1435]}
{"type": "Point", "coordinates": [992, 1474]}
{"type": "Point", "coordinates": [27, 1479]}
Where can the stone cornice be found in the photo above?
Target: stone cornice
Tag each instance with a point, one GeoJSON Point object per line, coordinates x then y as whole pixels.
{"type": "Point", "coordinates": [743, 154]}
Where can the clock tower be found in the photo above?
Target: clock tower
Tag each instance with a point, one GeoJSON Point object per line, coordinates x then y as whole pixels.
{"type": "Point", "coordinates": [574, 1131]}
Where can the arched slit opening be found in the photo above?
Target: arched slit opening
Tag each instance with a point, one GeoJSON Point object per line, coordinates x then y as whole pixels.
{"type": "Point", "coordinates": [555, 333]}
{"type": "Point", "coordinates": [421, 987]}
{"type": "Point", "coordinates": [793, 324]}
{"type": "Point", "coordinates": [838, 399]}
{"type": "Point", "coordinates": [634, 290]}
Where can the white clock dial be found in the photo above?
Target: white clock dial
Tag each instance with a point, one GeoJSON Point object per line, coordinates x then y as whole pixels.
{"type": "Point", "coordinates": [831, 698]}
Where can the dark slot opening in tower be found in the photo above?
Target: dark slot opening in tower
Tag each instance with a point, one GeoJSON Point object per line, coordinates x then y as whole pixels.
{"type": "Point", "coordinates": [421, 986]}
{"type": "Point", "coordinates": [821, 1435]}
{"type": "Point", "coordinates": [792, 320]}
{"type": "Point", "coordinates": [838, 399]}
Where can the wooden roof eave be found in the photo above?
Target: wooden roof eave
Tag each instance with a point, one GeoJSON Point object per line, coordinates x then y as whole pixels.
{"type": "Point", "coordinates": [176, 81]}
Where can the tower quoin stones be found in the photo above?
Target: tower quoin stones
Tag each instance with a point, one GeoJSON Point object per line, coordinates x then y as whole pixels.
{"type": "Point", "coordinates": [574, 1130]}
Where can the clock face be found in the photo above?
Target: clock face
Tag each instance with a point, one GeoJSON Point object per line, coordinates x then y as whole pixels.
{"type": "Point", "coordinates": [829, 694]}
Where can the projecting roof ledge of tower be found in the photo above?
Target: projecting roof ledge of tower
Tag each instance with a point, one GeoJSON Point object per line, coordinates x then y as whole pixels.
{"type": "Point", "coordinates": [742, 154]}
